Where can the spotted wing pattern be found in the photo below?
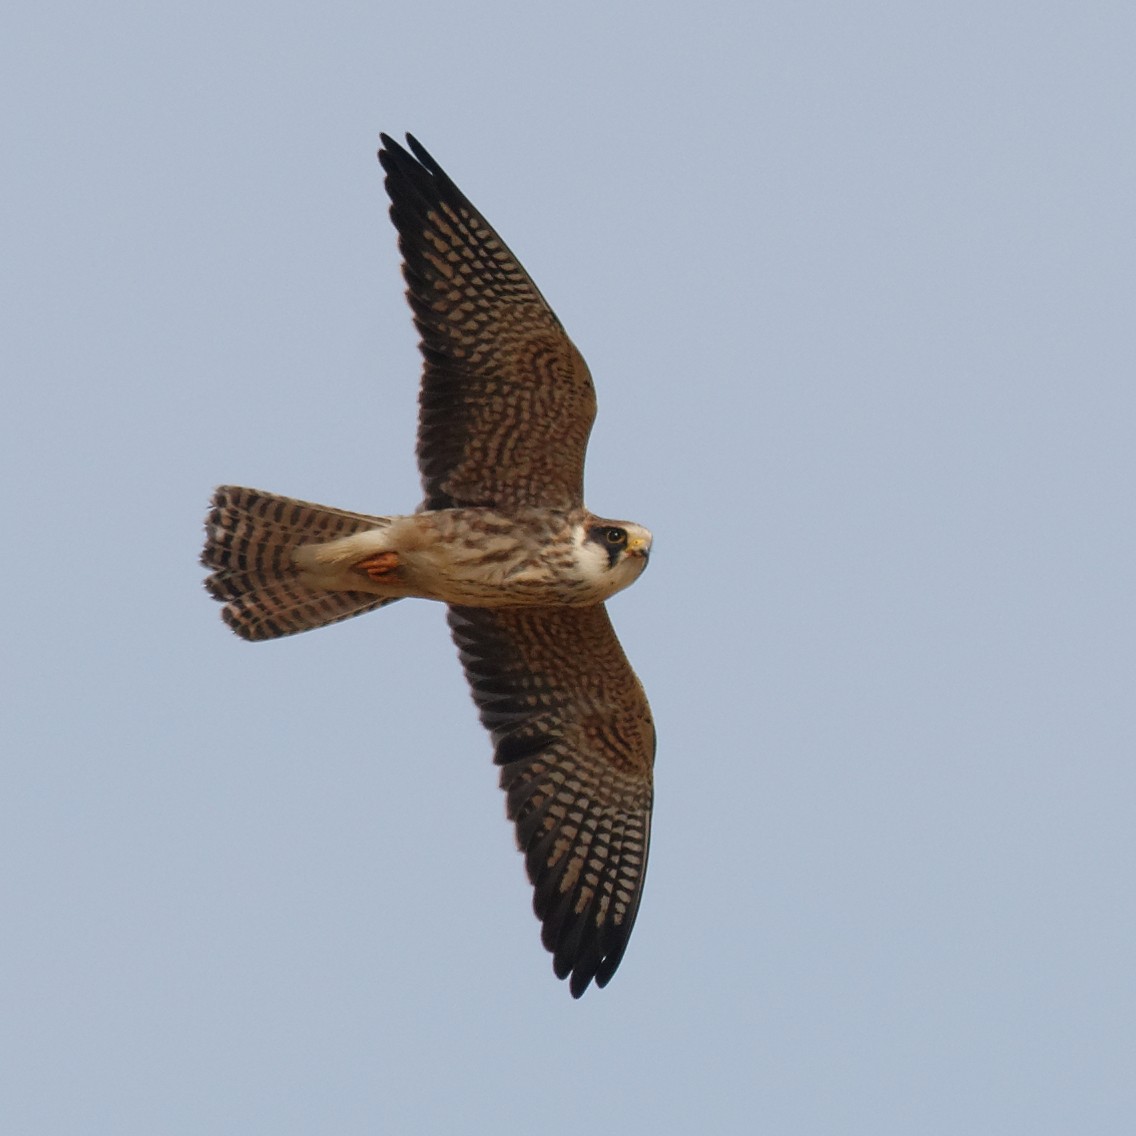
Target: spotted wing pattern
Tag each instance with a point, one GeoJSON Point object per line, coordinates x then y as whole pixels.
{"type": "Point", "coordinates": [507, 402]}
{"type": "Point", "coordinates": [576, 744]}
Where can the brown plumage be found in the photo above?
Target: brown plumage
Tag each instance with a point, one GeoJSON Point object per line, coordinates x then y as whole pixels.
{"type": "Point", "coordinates": [503, 537]}
{"type": "Point", "coordinates": [506, 403]}
{"type": "Point", "coordinates": [250, 538]}
{"type": "Point", "coordinates": [575, 742]}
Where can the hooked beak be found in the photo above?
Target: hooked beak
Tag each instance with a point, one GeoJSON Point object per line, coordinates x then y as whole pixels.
{"type": "Point", "coordinates": [639, 547]}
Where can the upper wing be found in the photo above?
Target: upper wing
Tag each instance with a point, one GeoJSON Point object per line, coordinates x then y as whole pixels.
{"type": "Point", "coordinates": [507, 402]}
{"type": "Point", "coordinates": [576, 744]}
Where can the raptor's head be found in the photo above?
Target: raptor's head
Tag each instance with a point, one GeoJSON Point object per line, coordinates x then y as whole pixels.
{"type": "Point", "coordinates": [613, 553]}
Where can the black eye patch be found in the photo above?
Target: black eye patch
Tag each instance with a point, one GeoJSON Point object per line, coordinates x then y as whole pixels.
{"type": "Point", "coordinates": [610, 537]}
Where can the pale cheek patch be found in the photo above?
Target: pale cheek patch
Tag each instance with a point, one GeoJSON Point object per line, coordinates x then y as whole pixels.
{"type": "Point", "coordinates": [591, 561]}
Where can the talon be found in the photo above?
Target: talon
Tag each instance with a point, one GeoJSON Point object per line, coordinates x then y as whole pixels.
{"type": "Point", "coordinates": [380, 567]}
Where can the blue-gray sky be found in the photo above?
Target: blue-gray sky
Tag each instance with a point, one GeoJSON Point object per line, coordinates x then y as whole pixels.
{"type": "Point", "coordinates": [856, 283]}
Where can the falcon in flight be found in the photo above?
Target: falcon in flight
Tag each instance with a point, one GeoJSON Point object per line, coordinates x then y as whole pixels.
{"type": "Point", "coordinates": [504, 539]}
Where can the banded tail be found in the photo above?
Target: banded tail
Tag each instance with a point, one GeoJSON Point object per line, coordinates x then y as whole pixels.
{"type": "Point", "coordinates": [250, 539]}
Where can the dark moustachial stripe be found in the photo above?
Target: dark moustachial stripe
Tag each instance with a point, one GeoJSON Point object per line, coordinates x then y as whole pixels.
{"type": "Point", "coordinates": [506, 405]}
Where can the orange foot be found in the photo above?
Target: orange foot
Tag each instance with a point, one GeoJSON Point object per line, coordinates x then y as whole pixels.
{"type": "Point", "coordinates": [381, 567]}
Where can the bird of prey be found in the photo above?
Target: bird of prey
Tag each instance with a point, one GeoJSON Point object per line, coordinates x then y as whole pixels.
{"type": "Point", "coordinates": [504, 539]}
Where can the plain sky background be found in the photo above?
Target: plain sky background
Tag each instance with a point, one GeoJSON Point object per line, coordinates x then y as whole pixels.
{"type": "Point", "coordinates": [856, 282]}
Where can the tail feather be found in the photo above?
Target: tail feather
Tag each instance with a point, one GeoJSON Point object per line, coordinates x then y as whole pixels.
{"type": "Point", "coordinates": [250, 537]}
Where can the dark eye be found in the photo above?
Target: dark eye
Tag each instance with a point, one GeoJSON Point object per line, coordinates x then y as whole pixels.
{"type": "Point", "coordinates": [615, 536]}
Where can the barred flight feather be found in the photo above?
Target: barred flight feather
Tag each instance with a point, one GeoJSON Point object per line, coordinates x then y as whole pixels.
{"type": "Point", "coordinates": [579, 797]}
{"type": "Point", "coordinates": [250, 537]}
{"type": "Point", "coordinates": [506, 405]}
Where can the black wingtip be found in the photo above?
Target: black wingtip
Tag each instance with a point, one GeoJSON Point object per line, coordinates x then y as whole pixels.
{"type": "Point", "coordinates": [393, 155]}
{"type": "Point", "coordinates": [413, 148]}
{"type": "Point", "coordinates": [391, 152]}
{"type": "Point", "coordinates": [423, 155]}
